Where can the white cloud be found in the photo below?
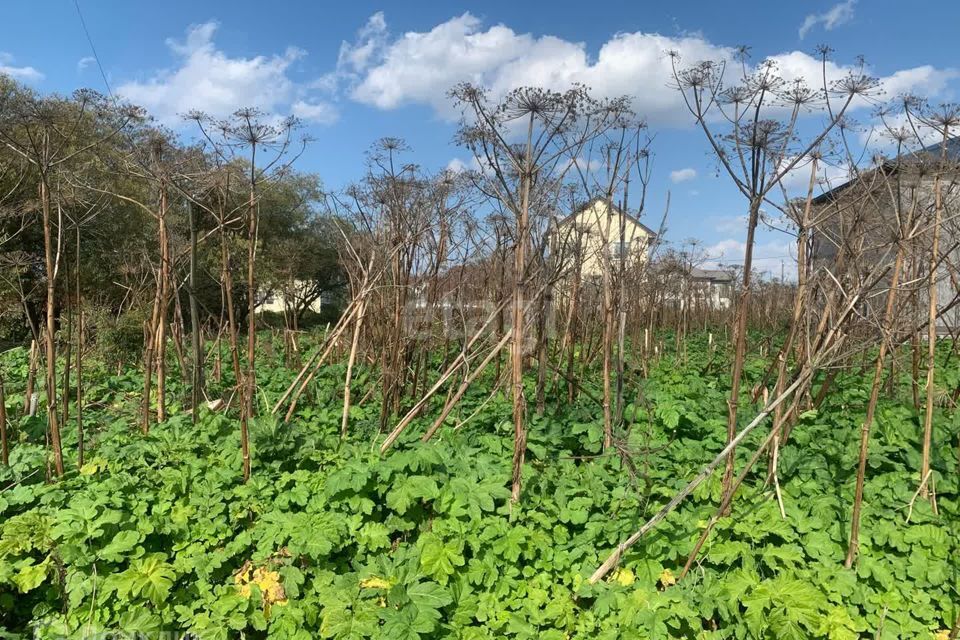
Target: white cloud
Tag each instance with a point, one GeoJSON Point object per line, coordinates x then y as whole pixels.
{"type": "Point", "coordinates": [829, 175]}
{"type": "Point", "coordinates": [23, 74]}
{"type": "Point", "coordinates": [371, 39]}
{"type": "Point", "coordinates": [768, 256]}
{"type": "Point", "coordinates": [209, 80]}
{"type": "Point", "coordinates": [924, 80]}
{"type": "Point", "coordinates": [682, 175]}
{"type": "Point", "coordinates": [459, 166]}
{"type": "Point", "coordinates": [85, 62]}
{"type": "Point", "coordinates": [419, 67]}
{"type": "Point", "coordinates": [315, 111]}
{"type": "Point", "coordinates": [837, 15]}
{"type": "Point", "coordinates": [456, 165]}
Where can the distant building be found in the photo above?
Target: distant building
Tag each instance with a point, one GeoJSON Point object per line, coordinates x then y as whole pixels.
{"type": "Point", "coordinates": [685, 287]}
{"type": "Point", "coordinates": [712, 288]}
{"type": "Point", "coordinates": [584, 231]}
{"type": "Point", "coordinates": [279, 301]}
{"type": "Point", "coordinates": [871, 200]}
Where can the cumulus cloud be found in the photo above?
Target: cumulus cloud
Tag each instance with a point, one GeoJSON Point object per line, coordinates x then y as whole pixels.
{"type": "Point", "coordinates": [23, 74]}
{"type": "Point", "coordinates": [371, 39]}
{"type": "Point", "coordinates": [419, 67]}
{"type": "Point", "coordinates": [837, 15]}
{"type": "Point", "coordinates": [207, 79]}
{"type": "Point", "coordinates": [925, 80]}
{"type": "Point", "coordinates": [682, 175]}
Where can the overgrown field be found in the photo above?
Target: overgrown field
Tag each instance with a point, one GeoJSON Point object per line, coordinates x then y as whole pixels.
{"type": "Point", "coordinates": [330, 540]}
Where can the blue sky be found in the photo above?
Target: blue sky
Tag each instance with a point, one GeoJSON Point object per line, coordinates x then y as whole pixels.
{"type": "Point", "coordinates": [358, 71]}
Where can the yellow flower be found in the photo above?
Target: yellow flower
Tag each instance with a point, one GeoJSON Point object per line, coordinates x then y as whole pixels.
{"type": "Point", "coordinates": [624, 577]}
{"type": "Point", "coordinates": [667, 579]}
{"type": "Point", "coordinates": [943, 634]}
{"type": "Point", "coordinates": [375, 583]}
{"type": "Point", "coordinates": [267, 581]}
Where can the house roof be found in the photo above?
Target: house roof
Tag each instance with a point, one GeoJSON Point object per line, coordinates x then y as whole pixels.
{"type": "Point", "coordinates": [650, 232]}
{"type": "Point", "coordinates": [928, 153]}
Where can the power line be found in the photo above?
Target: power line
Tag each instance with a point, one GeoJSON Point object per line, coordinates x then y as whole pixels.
{"type": "Point", "coordinates": [96, 58]}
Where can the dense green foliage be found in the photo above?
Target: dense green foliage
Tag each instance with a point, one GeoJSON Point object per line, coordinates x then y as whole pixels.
{"type": "Point", "coordinates": [329, 540]}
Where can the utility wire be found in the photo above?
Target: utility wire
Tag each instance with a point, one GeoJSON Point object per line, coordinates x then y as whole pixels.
{"type": "Point", "coordinates": [96, 58]}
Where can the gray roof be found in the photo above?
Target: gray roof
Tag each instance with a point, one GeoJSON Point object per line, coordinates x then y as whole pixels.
{"type": "Point", "coordinates": [929, 153]}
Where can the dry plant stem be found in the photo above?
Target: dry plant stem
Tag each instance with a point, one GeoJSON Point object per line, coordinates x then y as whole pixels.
{"type": "Point", "coordinates": [50, 337]}
{"type": "Point", "coordinates": [67, 355]}
{"type": "Point", "coordinates": [931, 341]}
{"type": "Point", "coordinates": [296, 381]}
{"type": "Point", "coordinates": [357, 326]}
{"type": "Point", "coordinates": [608, 328]}
{"type": "Point", "coordinates": [316, 363]}
{"type": "Point", "coordinates": [4, 446]}
{"type": "Point", "coordinates": [161, 339]}
{"type": "Point", "coordinates": [317, 360]}
{"type": "Point", "coordinates": [80, 345]}
{"type": "Point", "coordinates": [226, 283]}
{"type": "Point", "coordinates": [728, 499]}
{"type": "Point", "coordinates": [149, 337]}
{"type": "Point", "coordinates": [871, 408]}
{"type": "Point", "coordinates": [196, 339]}
{"type": "Point", "coordinates": [516, 346]}
{"type": "Point", "coordinates": [916, 494]}
{"type": "Point", "coordinates": [452, 368]}
{"type": "Point", "coordinates": [250, 376]}
{"type": "Point", "coordinates": [614, 557]}
{"type": "Point", "coordinates": [740, 341]}
{"type": "Point", "coordinates": [776, 479]}
{"type": "Point", "coordinates": [31, 378]}
{"type": "Point", "coordinates": [452, 402]}
{"type": "Point", "coordinates": [799, 303]}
